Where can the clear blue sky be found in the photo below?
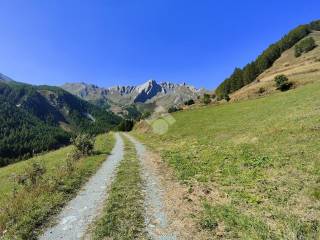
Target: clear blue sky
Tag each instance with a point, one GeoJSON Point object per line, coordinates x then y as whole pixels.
{"type": "Point", "coordinates": [111, 42]}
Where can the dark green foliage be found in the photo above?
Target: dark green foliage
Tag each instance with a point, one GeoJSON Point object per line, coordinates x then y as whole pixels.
{"type": "Point", "coordinates": [84, 144]}
{"type": "Point", "coordinates": [126, 125]}
{"type": "Point", "coordinates": [261, 90]}
{"type": "Point", "coordinates": [249, 73]}
{"type": "Point", "coordinates": [189, 102]}
{"type": "Point", "coordinates": [282, 82]}
{"type": "Point", "coordinates": [206, 98]}
{"type": "Point", "coordinates": [23, 135]}
{"type": "Point", "coordinates": [226, 97]}
{"type": "Point", "coordinates": [315, 25]}
{"type": "Point", "coordinates": [30, 119]}
{"type": "Point", "coordinates": [305, 46]}
{"type": "Point", "coordinates": [173, 109]}
{"type": "Point", "coordinates": [145, 114]}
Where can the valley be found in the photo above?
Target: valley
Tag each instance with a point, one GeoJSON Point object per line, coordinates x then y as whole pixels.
{"type": "Point", "coordinates": [164, 160]}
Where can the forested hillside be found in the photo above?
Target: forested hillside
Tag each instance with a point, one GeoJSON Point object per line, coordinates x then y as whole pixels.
{"type": "Point", "coordinates": [40, 118]}
{"type": "Point", "coordinates": [22, 134]}
{"type": "Point", "coordinates": [251, 71]}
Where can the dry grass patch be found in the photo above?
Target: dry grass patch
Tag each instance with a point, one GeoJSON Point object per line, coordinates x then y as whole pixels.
{"type": "Point", "coordinates": [25, 208]}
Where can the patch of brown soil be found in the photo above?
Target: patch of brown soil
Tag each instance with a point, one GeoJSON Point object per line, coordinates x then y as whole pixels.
{"type": "Point", "coordinates": [183, 202]}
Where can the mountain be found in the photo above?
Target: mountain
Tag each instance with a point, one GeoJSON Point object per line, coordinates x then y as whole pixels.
{"type": "Point", "coordinates": [163, 94]}
{"type": "Point", "coordinates": [40, 118]}
{"type": "Point", "coordinates": [5, 79]}
{"type": "Point", "coordinates": [244, 76]}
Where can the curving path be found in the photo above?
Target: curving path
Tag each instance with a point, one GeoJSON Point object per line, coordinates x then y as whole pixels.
{"type": "Point", "coordinates": [75, 218]}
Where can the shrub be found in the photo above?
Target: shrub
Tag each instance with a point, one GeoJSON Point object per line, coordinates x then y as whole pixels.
{"type": "Point", "coordinates": [282, 82]}
{"type": "Point", "coordinates": [145, 115]}
{"type": "Point", "coordinates": [173, 109]}
{"type": "Point", "coordinates": [189, 102]}
{"type": "Point", "coordinates": [226, 97]}
{"type": "Point", "coordinates": [32, 175]}
{"type": "Point", "coordinates": [84, 144]}
{"type": "Point", "coordinates": [206, 98]}
{"type": "Point", "coordinates": [126, 125]}
{"type": "Point", "coordinates": [261, 90]}
{"type": "Point", "coordinates": [304, 46]}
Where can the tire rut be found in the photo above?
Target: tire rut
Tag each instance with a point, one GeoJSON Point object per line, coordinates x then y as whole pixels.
{"type": "Point", "coordinates": [156, 218]}
{"type": "Point", "coordinates": [79, 213]}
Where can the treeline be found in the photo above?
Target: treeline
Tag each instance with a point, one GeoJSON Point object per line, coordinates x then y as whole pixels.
{"type": "Point", "coordinates": [31, 116]}
{"type": "Point", "coordinates": [241, 77]}
{"type": "Point", "coordinates": [22, 135]}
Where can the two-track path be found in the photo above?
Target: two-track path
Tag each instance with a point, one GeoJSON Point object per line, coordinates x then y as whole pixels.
{"type": "Point", "coordinates": [78, 214]}
{"type": "Point", "coordinates": [156, 218]}
{"type": "Point", "coordinates": [74, 220]}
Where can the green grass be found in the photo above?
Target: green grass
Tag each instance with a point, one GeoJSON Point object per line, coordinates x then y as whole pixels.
{"type": "Point", "coordinates": [264, 154]}
{"type": "Point", "coordinates": [123, 215]}
{"type": "Point", "coordinates": [25, 210]}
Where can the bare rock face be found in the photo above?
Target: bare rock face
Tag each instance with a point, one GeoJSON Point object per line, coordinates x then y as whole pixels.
{"type": "Point", "coordinates": [147, 91]}
{"type": "Point", "coordinates": [164, 94]}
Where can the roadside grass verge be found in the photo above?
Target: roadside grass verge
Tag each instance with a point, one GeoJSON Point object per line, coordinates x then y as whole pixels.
{"type": "Point", "coordinates": [236, 225]}
{"type": "Point", "coordinates": [25, 210]}
{"type": "Point", "coordinates": [262, 154]}
{"type": "Point", "coordinates": [123, 215]}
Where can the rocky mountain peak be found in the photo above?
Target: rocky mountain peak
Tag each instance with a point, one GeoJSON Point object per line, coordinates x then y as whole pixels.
{"type": "Point", "coordinates": [162, 93]}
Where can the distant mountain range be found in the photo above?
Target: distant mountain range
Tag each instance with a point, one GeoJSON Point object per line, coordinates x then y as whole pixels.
{"type": "Point", "coordinates": [39, 118]}
{"type": "Point", "coordinates": [165, 94]}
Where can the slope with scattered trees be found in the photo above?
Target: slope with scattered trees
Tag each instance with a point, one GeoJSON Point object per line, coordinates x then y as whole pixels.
{"type": "Point", "coordinates": [251, 71]}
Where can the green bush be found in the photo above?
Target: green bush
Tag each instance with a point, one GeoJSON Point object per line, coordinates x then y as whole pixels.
{"type": "Point", "coordinates": [261, 90]}
{"type": "Point", "coordinates": [126, 125]}
{"type": "Point", "coordinates": [84, 144]}
{"type": "Point", "coordinates": [224, 97]}
{"type": "Point", "coordinates": [173, 109]}
{"type": "Point", "coordinates": [145, 114]}
{"type": "Point", "coordinates": [282, 82]}
{"type": "Point", "coordinates": [206, 98]}
{"type": "Point", "coordinates": [304, 46]}
{"type": "Point", "coordinates": [189, 102]}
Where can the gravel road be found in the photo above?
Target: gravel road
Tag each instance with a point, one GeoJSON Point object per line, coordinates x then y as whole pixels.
{"type": "Point", "coordinates": [73, 221]}
{"type": "Point", "coordinates": [156, 218]}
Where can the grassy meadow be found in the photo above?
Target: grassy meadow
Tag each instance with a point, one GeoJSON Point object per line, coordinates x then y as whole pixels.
{"type": "Point", "coordinates": [24, 210]}
{"type": "Point", "coordinates": [123, 215]}
{"type": "Point", "coordinates": [260, 159]}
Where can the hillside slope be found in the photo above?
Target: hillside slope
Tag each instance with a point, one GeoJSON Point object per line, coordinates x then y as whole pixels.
{"type": "Point", "coordinates": [253, 164]}
{"type": "Point", "coordinates": [302, 70]}
{"type": "Point", "coordinates": [243, 76]}
{"type": "Point", "coordinates": [40, 118]}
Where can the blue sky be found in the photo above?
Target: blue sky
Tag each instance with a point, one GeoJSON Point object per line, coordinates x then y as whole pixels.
{"type": "Point", "coordinates": [124, 42]}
